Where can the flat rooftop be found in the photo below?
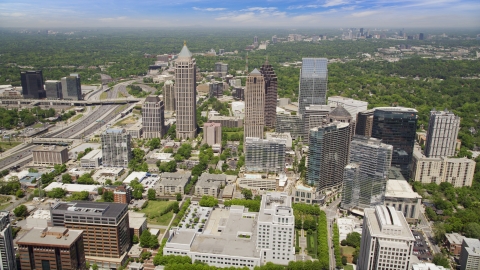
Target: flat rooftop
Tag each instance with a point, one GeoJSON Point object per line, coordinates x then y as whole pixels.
{"type": "Point", "coordinates": [105, 209]}
{"type": "Point", "coordinates": [390, 219]}
{"type": "Point", "coordinates": [400, 189]}
{"type": "Point", "coordinates": [50, 236]}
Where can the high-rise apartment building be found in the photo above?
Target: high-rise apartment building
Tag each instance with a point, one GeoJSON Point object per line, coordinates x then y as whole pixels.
{"type": "Point", "coordinates": [53, 89]}
{"type": "Point", "coordinates": [313, 83]}
{"type": "Point", "coordinates": [212, 134]}
{"type": "Point", "coordinates": [340, 114]}
{"type": "Point", "coordinates": [328, 150]}
{"type": "Point", "coordinates": [153, 117]}
{"type": "Point", "coordinates": [254, 105]}
{"type": "Point", "coordinates": [397, 126]}
{"type": "Point", "coordinates": [7, 251]}
{"type": "Point", "coordinates": [270, 94]}
{"type": "Point", "coordinates": [32, 84]}
{"type": "Point", "coordinates": [169, 96]}
{"type": "Point", "coordinates": [364, 123]}
{"type": "Point", "coordinates": [387, 242]}
{"type": "Point", "coordinates": [185, 94]}
{"type": "Point", "coordinates": [105, 229]}
{"type": "Point", "coordinates": [52, 248]}
{"type": "Point", "coordinates": [292, 124]}
{"type": "Point", "coordinates": [351, 105]}
{"type": "Point", "coordinates": [367, 187]}
{"type": "Point", "coordinates": [116, 148]}
{"type": "Point", "coordinates": [71, 87]}
{"type": "Point", "coordinates": [443, 128]}
{"type": "Point", "coordinates": [469, 256]}
{"type": "Point", "coordinates": [314, 116]}
{"type": "Point", "coordinates": [275, 228]}
{"type": "Point", "coordinates": [265, 155]}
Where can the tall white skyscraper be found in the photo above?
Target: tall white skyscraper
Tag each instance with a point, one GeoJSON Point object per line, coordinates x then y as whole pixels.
{"type": "Point", "coordinates": [185, 94]}
{"type": "Point", "coordinates": [276, 228]}
{"type": "Point", "coordinates": [7, 252]}
{"type": "Point", "coordinates": [366, 188]}
{"type": "Point", "coordinates": [387, 242]}
{"type": "Point", "coordinates": [313, 83]}
{"type": "Point", "coordinates": [443, 128]}
{"type": "Point", "coordinates": [254, 105]}
{"type": "Point", "coordinates": [152, 117]}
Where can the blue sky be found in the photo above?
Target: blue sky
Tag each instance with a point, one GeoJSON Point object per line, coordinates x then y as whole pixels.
{"type": "Point", "coordinates": [241, 13]}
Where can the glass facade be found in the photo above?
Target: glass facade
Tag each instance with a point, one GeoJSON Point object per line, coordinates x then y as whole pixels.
{"type": "Point", "coordinates": [397, 126]}
{"type": "Point", "coordinates": [313, 83]}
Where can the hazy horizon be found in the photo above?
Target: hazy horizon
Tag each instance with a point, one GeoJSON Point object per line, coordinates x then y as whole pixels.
{"type": "Point", "coordinates": [240, 14]}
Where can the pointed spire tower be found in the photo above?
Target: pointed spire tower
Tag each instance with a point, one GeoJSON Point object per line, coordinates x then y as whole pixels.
{"type": "Point", "coordinates": [270, 93]}
{"type": "Point", "coordinates": [185, 94]}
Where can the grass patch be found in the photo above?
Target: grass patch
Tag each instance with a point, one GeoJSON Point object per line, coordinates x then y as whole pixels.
{"type": "Point", "coordinates": [152, 212]}
{"type": "Point", "coordinates": [4, 202]}
{"type": "Point", "coordinates": [8, 145]}
{"type": "Point", "coordinates": [128, 120]}
{"type": "Point", "coordinates": [76, 117]}
{"type": "Point", "coordinates": [312, 245]}
{"type": "Point", "coordinates": [103, 95]}
{"type": "Point", "coordinates": [121, 108]}
{"type": "Point", "coordinates": [348, 267]}
{"type": "Point", "coordinates": [38, 125]}
{"type": "Point", "coordinates": [347, 251]}
{"type": "Point", "coordinates": [120, 95]}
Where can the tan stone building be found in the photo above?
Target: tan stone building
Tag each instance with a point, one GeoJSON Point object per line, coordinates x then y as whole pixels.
{"type": "Point", "coordinates": [212, 134]}
{"type": "Point", "coordinates": [254, 105]}
{"type": "Point", "coordinates": [210, 184]}
{"type": "Point", "coordinates": [169, 95]}
{"type": "Point", "coordinates": [172, 183]}
{"type": "Point", "coordinates": [153, 117]}
{"type": "Point", "coordinates": [50, 155]}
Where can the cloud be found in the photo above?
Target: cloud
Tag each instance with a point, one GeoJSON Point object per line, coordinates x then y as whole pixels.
{"type": "Point", "coordinates": [260, 9]}
{"type": "Point", "coordinates": [332, 3]}
{"type": "Point", "coordinates": [365, 13]}
{"type": "Point", "coordinates": [304, 6]}
{"type": "Point", "coordinates": [13, 14]}
{"type": "Point", "coordinates": [209, 9]}
{"type": "Point", "coordinates": [113, 19]}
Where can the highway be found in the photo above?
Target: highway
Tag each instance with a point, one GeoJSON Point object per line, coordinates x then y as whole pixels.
{"type": "Point", "coordinates": [21, 155]}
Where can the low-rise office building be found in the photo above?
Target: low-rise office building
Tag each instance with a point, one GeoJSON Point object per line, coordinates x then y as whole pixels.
{"type": "Point", "coordinates": [427, 266]}
{"type": "Point", "coordinates": [307, 194]}
{"type": "Point", "coordinates": [92, 160]}
{"type": "Point", "coordinates": [227, 121]}
{"type": "Point", "coordinates": [400, 195]}
{"type": "Point", "coordinates": [470, 255]}
{"type": "Point", "coordinates": [137, 223]}
{"type": "Point", "coordinates": [50, 155]}
{"type": "Point", "coordinates": [172, 183]}
{"type": "Point", "coordinates": [52, 248]}
{"type": "Point", "coordinates": [210, 184]}
{"type": "Point", "coordinates": [454, 243]}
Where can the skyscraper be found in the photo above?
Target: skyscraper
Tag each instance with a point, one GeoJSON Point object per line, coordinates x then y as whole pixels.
{"type": "Point", "coordinates": [254, 105]}
{"type": "Point", "coordinates": [169, 96]}
{"type": "Point", "coordinates": [71, 87]}
{"type": "Point", "coordinates": [116, 148]}
{"type": "Point", "coordinates": [265, 155]}
{"type": "Point", "coordinates": [152, 117]}
{"type": "Point", "coordinates": [313, 83]}
{"type": "Point", "coordinates": [387, 242]}
{"type": "Point", "coordinates": [396, 126]}
{"type": "Point", "coordinates": [270, 94]}
{"type": "Point", "coordinates": [185, 94]}
{"type": "Point", "coordinates": [443, 128]}
{"type": "Point", "coordinates": [364, 123]}
{"type": "Point", "coordinates": [373, 159]}
{"type": "Point", "coordinates": [340, 114]}
{"type": "Point", "coordinates": [32, 84]}
{"type": "Point", "coordinates": [255, 40]}
{"type": "Point", "coordinates": [328, 155]}
{"type": "Point", "coordinates": [7, 251]}
{"type": "Point", "coordinates": [53, 89]}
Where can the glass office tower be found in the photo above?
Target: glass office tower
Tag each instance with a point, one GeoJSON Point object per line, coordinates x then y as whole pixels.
{"type": "Point", "coordinates": [313, 83]}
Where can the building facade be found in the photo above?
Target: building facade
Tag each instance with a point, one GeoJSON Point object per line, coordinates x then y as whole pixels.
{"type": "Point", "coordinates": [92, 160]}
{"type": "Point", "coordinates": [454, 242]}
{"type": "Point", "coordinates": [169, 96]}
{"type": "Point", "coordinates": [265, 155]}
{"type": "Point", "coordinates": [71, 87]}
{"type": "Point", "coordinates": [270, 94]}
{"type": "Point", "coordinates": [105, 229]}
{"type": "Point", "coordinates": [470, 257]}
{"type": "Point", "coordinates": [53, 89]}
{"type": "Point", "coordinates": [401, 196]}
{"type": "Point", "coordinates": [329, 146]}
{"type": "Point", "coordinates": [457, 171]}
{"type": "Point", "coordinates": [397, 126]}
{"type": "Point", "coordinates": [292, 124]}
{"type": "Point", "coordinates": [443, 128]}
{"type": "Point", "coordinates": [215, 89]}
{"type": "Point", "coordinates": [351, 105]}
{"type": "Point", "coordinates": [116, 148]}
{"type": "Point", "coordinates": [212, 133]}
{"type": "Point", "coordinates": [314, 116]}
{"type": "Point", "coordinates": [7, 251]}
{"type": "Point", "coordinates": [172, 183]}
{"type": "Point", "coordinates": [364, 123]}
{"type": "Point", "coordinates": [387, 242]}
{"type": "Point", "coordinates": [367, 187]}
{"type": "Point", "coordinates": [227, 121]}
{"type": "Point", "coordinates": [210, 184]}
{"type": "Point", "coordinates": [254, 105]}
{"type": "Point", "coordinates": [185, 94]}
{"type": "Point", "coordinates": [50, 155]}
{"type": "Point", "coordinates": [32, 84]}
{"type": "Point", "coordinates": [52, 248]}
{"type": "Point", "coordinates": [313, 83]}
{"type": "Point", "coordinates": [153, 117]}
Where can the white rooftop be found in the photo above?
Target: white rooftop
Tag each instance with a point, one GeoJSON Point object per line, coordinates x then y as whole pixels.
{"type": "Point", "coordinates": [72, 187]}
{"type": "Point", "coordinates": [139, 175]}
{"type": "Point", "coordinates": [400, 189]}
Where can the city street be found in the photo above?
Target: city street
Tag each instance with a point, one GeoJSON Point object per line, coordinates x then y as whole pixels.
{"type": "Point", "coordinates": [427, 229]}
{"type": "Point", "coordinates": [331, 212]}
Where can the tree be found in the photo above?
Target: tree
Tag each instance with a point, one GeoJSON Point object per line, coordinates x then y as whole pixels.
{"type": "Point", "coordinates": [440, 259]}
{"type": "Point", "coordinates": [135, 239]}
{"type": "Point", "coordinates": [152, 195]}
{"type": "Point", "coordinates": [100, 191]}
{"type": "Point", "coordinates": [247, 193]}
{"type": "Point", "coordinates": [21, 211]}
{"type": "Point", "coordinates": [344, 260]}
{"type": "Point", "coordinates": [153, 242]}
{"type": "Point", "coordinates": [108, 182]}
{"type": "Point", "coordinates": [57, 193]}
{"type": "Point", "coordinates": [107, 196]}
{"type": "Point", "coordinates": [472, 230]}
{"type": "Point", "coordinates": [438, 231]}
{"type": "Point", "coordinates": [154, 143]}
{"type": "Point", "coordinates": [19, 193]}
{"type": "Point", "coordinates": [208, 201]}
{"type": "Point", "coordinates": [145, 239]}
{"type": "Point", "coordinates": [66, 178]}
{"type": "Point", "coordinates": [80, 196]}
{"type": "Point", "coordinates": [176, 208]}
{"type": "Point", "coordinates": [94, 266]}
{"type": "Point", "coordinates": [178, 196]}
{"type": "Point", "coordinates": [353, 239]}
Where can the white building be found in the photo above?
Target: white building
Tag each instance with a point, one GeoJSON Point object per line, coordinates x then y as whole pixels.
{"type": "Point", "coordinates": [443, 128]}
{"type": "Point", "coordinates": [92, 160]}
{"type": "Point", "coordinates": [265, 155]}
{"type": "Point", "coordinates": [351, 105]}
{"type": "Point", "coordinates": [139, 175]}
{"type": "Point", "coordinates": [276, 135]}
{"type": "Point", "coordinates": [238, 109]}
{"type": "Point", "coordinates": [401, 196]}
{"type": "Point", "coordinates": [387, 241]}
{"type": "Point", "coordinates": [427, 266]}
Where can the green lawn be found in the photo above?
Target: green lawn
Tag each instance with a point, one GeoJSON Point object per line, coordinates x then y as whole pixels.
{"type": "Point", "coordinates": [152, 212]}
{"type": "Point", "coordinates": [103, 95]}
{"type": "Point", "coordinates": [347, 251]}
{"type": "Point", "coordinates": [76, 117]}
{"type": "Point", "coordinates": [7, 145]}
{"type": "Point", "coordinates": [348, 267]}
{"type": "Point", "coordinates": [4, 202]}
{"type": "Point", "coordinates": [312, 245]}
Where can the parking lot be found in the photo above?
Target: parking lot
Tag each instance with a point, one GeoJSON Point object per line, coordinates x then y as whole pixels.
{"type": "Point", "coordinates": [420, 248]}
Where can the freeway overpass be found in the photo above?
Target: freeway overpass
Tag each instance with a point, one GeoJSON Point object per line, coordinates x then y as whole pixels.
{"type": "Point", "coordinates": [47, 102]}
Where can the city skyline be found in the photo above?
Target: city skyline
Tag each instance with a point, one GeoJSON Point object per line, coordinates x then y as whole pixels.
{"type": "Point", "coordinates": [267, 13]}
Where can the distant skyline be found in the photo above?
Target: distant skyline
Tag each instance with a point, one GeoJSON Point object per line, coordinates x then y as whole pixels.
{"type": "Point", "coordinates": [241, 13]}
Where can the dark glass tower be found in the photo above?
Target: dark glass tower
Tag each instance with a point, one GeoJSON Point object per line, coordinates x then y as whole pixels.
{"type": "Point", "coordinates": [396, 126]}
{"type": "Point", "coordinates": [32, 84]}
{"type": "Point", "coordinates": [270, 94]}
